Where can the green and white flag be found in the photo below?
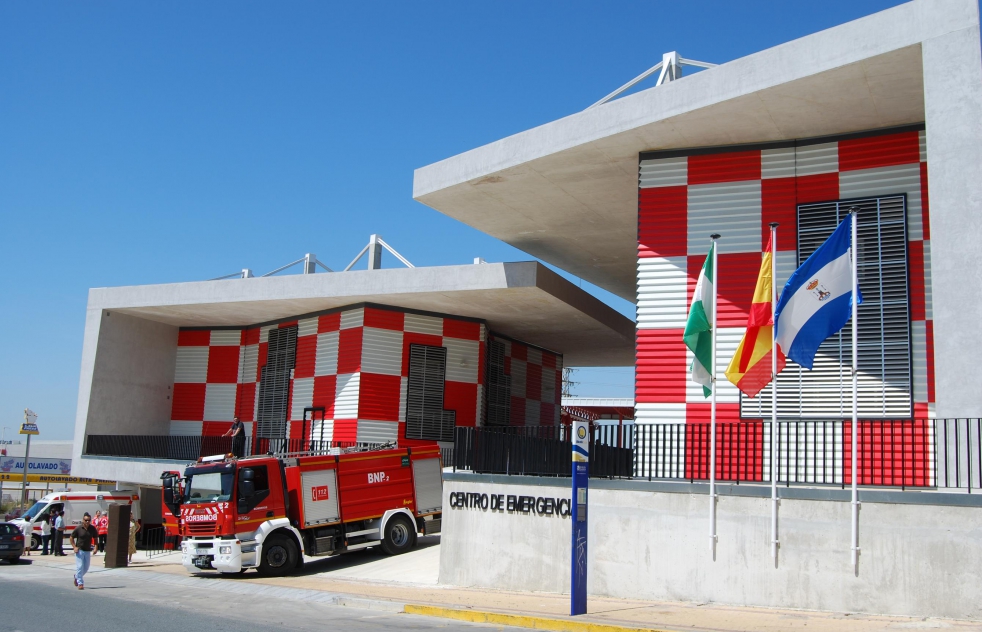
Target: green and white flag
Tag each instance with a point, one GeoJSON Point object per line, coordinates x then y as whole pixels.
{"type": "Point", "coordinates": [698, 334]}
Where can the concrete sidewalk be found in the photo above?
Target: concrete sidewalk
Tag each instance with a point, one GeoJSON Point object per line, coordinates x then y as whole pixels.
{"type": "Point", "coordinates": [408, 583]}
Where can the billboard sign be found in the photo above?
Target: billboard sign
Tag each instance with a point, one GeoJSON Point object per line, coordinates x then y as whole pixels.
{"type": "Point", "coordinates": [10, 464]}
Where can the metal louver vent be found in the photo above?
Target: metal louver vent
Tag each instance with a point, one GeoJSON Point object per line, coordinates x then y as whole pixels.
{"type": "Point", "coordinates": [274, 383]}
{"type": "Point", "coordinates": [499, 386]}
{"type": "Point", "coordinates": [884, 322]}
{"type": "Point", "coordinates": [425, 417]}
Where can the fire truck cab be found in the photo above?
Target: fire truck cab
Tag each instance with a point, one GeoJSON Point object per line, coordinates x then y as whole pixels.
{"type": "Point", "coordinates": [267, 512]}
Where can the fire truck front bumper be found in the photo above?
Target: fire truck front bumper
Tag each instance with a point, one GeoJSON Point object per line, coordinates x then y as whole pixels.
{"type": "Point", "coordinates": [226, 556]}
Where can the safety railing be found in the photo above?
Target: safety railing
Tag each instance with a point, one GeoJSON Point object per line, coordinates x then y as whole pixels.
{"type": "Point", "coordinates": [190, 448]}
{"type": "Point", "coordinates": [910, 453]}
{"type": "Point", "coordinates": [540, 451]}
{"type": "Point", "coordinates": [151, 541]}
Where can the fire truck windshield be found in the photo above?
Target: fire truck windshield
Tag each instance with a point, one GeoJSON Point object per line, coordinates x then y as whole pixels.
{"type": "Point", "coordinates": [210, 487]}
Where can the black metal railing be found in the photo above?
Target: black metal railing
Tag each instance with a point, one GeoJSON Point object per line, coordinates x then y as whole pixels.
{"type": "Point", "coordinates": [910, 453]}
{"type": "Point", "coordinates": [446, 456]}
{"type": "Point", "coordinates": [151, 541]}
{"type": "Point", "coordinates": [540, 451]}
{"type": "Point", "coordinates": [190, 448]}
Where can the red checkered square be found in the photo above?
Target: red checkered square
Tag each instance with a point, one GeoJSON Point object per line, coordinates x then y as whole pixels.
{"type": "Point", "coordinates": [349, 350]}
{"type": "Point", "coordinates": [384, 319]}
{"type": "Point", "coordinates": [733, 166]}
{"type": "Point", "coordinates": [378, 397]}
{"type": "Point", "coordinates": [329, 322]}
{"type": "Point", "coordinates": [193, 338]}
{"type": "Point", "coordinates": [250, 336]}
{"type": "Point", "coordinates": [189, 402]}
{"type": "Point", "coordinates": [462, 329]}
{"type": "Point", "coordinates": [306, 357]}
{"type": "Point", "coordinates": [223, 365]}
{"type": "Point", "coordinates": [245, 401]}
{"type": "Point", "coordinates": [662, 222]}
{"type": "Point", "coordinates": [461, 397]}
{"type": "Point", "coordinates": [325, 390]}
{"type": "Point", "coordinates": [879, 151]}
{"type": "Point", "coordinates": [661, 372]}
{"type": "Point", "coordinates": [777, 204]}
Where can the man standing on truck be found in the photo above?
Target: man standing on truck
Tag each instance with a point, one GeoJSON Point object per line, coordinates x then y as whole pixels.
{"type": "Point", "coordinates": [237, 432]}
{"type": "Point", "coordinates": [82, 538]}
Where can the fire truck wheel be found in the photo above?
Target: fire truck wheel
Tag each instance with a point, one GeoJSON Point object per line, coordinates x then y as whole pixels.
{"type": "Point", "coordinates": [279, 556]}
{"type": "Point", "coordinates": [399, 536]}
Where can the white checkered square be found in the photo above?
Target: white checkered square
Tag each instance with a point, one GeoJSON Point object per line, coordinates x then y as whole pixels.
{"type": "Point", "coordinates": [219, 402]}
{"type": "Point", "coordinates": [381, 351]}
{"type": "Point", "coordinates": [353, 318]}
{"type": "Point", "coordinates": [326, 358]}
{"type": "Point", "coordinates": [225, 337]}
{"type": "Point", "coordinates": [662, 292]}
{"type": "Point", "coordinates": [462, 359]}
{"type": "Point", "coordinates": [191, 365]}
{"type": "Point", "coordinates": [731, 209]}
{"type": "Point", "coordinates": [727, 341]}
{"type": "Point", "coordinates": [303, 397]}
{"type": "Point", "coordinates": [370, 431]}
{"type": "Point", "coordinates": [248, 364]}
{"type": "Point", "coordinates": [419, 324]}
{"type": "Point", "coordinates": [307, 326]}
{"type": "Point", "coordinates": [519, 371]}
{"type": "Point", "coordinates": [346, 396]}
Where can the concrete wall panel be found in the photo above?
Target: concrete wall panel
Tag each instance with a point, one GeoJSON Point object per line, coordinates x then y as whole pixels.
{"type": "Point", "coordinates": [917, 560]}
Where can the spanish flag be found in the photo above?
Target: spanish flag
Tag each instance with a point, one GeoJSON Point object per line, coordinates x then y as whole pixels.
{"type": "Point", "coordinates": [750, 369]}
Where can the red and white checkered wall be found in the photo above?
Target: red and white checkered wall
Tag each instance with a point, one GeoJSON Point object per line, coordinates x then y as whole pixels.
{"type": "Point", "coordinates": [536, 383]}
{"type": "Point", "coordinates": [684, 198]}
{"type": "Point", "coordinates": [355, 364]}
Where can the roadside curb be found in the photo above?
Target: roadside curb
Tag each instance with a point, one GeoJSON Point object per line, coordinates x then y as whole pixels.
{"type": "Point", "coordinates": [521, 620]}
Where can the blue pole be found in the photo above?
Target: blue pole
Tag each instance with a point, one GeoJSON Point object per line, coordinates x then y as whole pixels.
{"type": "Point", "coordinates": [581, 480]}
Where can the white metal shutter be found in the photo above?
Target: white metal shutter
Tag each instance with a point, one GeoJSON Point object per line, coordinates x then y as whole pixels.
{"type": "Point", "coordinates": [884, 357]}
{"type": "Point", "coordinates": [324, 511]}
{"type": "Point", "coordinates": [428, 479]}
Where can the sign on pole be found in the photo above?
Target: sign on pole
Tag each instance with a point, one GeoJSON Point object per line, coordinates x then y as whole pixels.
{"type": "Point", "coordinates": [29, 427]}
{"type": "Point", "coordinates": [581, 479]}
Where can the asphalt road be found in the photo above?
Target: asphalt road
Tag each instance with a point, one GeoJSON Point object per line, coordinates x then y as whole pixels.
{"type": "Point", "coordinates": [39, 598]}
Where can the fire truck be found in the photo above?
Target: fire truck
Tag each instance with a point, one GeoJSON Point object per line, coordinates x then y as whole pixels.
{"type": "Point", "coordinates": [267, 512]}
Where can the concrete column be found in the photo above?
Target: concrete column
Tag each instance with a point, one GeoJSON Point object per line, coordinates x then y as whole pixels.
{"type": "Point", "coordinates": [953, 113]}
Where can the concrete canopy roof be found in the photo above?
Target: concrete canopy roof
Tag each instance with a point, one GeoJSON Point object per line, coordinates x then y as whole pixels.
{"type": "Point", "coordinates": [524, 300]}
{"type": "Point", "coordinates": [566, 192]}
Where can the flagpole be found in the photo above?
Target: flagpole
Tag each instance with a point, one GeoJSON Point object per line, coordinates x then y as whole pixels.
{"type": "Point", "coordinates": [774, 431]}
{"type": "Point", "coordinates": [855, 388]}
{"type": "Point", "coordinates": [712, 414]}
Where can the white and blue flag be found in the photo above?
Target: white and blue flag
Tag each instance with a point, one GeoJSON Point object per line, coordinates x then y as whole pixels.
{"type": "Point", "coordinates": [817, 300]}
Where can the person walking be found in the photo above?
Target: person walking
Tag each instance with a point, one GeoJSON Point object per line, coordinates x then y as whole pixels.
{"type": "Point", "coordinates": [82, 538]}
{"type": "Point", "coordinates": [101, 523]}
{"type": "Point", "coordinates": [237, 432]}
{"type": "Point", "coordinates": [134, 529]}
{"type": "Point", "coordinates": [59, 533]}
{"type": "Point", "coordinates": [46, 534]}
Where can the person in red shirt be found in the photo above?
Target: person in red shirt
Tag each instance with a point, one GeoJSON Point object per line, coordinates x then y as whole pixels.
{"type": "Point", "coordinates": [101, 523]}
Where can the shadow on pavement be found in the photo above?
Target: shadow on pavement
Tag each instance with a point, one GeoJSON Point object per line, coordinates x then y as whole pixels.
{"type": "Point", "coordinates": [313, 566]}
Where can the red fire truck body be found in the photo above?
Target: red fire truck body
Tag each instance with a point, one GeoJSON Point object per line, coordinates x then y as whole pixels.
{"type": "Point", "coordinates": [267, 512]}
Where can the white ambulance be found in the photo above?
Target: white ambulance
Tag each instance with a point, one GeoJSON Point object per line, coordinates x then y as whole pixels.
{"type": "Point", "coordinates": [75, 505]}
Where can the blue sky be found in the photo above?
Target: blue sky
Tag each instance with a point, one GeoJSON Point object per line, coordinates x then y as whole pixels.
{"type": "Point", "coordinates": [162, 142]}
